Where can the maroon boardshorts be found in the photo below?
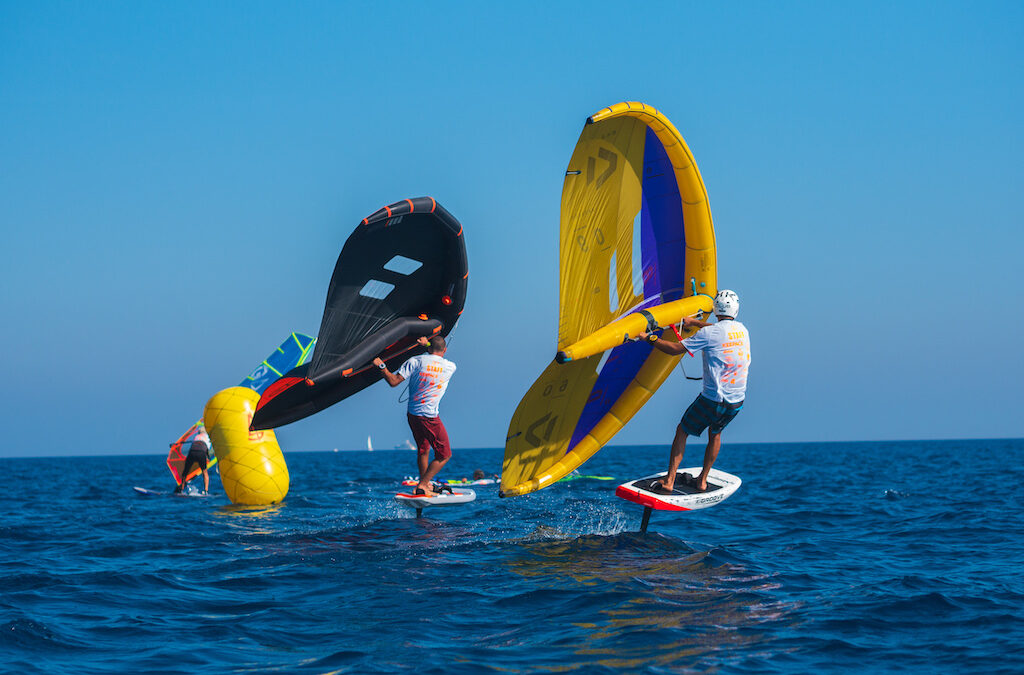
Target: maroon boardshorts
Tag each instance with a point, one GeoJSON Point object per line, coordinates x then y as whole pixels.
{"type": "Point", "coordinates": [430, 431]}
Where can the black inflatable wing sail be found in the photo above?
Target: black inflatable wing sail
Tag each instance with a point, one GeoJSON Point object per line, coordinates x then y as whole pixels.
{"type": "Point", "coordinates": [401, 275]}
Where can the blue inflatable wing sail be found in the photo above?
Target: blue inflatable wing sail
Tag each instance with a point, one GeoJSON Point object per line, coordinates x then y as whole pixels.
{"type": "Point", "coordinates": [294, 351]}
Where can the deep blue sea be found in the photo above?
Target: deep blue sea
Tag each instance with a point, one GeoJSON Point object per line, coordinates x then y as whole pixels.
{"type": "Point", "coordinates": [832, 557]}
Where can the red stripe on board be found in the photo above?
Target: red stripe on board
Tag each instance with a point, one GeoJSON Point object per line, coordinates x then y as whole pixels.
{"type": "Point", "coordinates": [433, 205]}
{"type": "Point", "coordinates": [411, 206]}
{"type": "Point", "coordinates": [635, 496]}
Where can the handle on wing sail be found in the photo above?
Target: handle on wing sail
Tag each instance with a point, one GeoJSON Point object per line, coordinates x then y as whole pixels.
{"type": "Point", "coordinates": [396, 338]}
{"type": "Point", "coordinates": [679, 336]}
{"type": "Point", "coordinates": [632, 325]}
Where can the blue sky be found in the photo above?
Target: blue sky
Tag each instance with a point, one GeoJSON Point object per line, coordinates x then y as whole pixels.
{"type": "Point", "coordinates": [178, 179]}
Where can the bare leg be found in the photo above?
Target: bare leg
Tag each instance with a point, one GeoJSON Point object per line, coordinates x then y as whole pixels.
{"type": "Point", "coordinates": [675, 457]}
{"type": "Point", "coordinates": [432, 469]}
{"type": "Point", "coordinates": [206, 481]}
{"type": "Point", "coordinates": [710, 455]}
{"type": "Point", "coordinates": [422, 460]}
{"type": "Point", "coordinates": [184, 478]}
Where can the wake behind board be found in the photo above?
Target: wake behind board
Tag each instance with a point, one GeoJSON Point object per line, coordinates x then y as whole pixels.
{"type": "Point", "coordinates": [684, 495]}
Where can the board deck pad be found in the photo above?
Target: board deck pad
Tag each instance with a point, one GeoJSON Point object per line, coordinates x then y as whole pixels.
{"type": "Point", "coordinates": [684, 495]}
{"type": "Point", "coordinates": [684, 485]}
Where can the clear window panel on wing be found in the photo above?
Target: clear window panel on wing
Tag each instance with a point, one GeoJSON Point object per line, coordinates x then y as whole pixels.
{"type": "Point", "coordinates": [613, 286]}
{"type": "Point", "coordinates": [375, 289]}
{"type": "Point", "coordinates": [637, 261]}
{"type": "Point", "coordinates": [402, 265]}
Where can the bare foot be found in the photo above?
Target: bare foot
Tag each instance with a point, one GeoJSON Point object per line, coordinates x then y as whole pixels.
{"type": "Point", "coordinates": [421, 491]}
{"type": "Point", "coordinates": [664, 486]}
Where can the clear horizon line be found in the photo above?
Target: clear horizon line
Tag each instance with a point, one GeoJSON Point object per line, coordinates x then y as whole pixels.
{"type": "Point", "coordinates": [497, 448]}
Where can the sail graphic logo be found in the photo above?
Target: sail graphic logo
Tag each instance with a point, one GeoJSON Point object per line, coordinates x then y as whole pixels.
{"type": "Point", "coordinates": [606, 155]}
{"type": "Point", "coordinates": [531, 432]}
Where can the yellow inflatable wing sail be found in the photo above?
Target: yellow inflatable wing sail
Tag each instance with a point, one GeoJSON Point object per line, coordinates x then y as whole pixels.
{"type": "Point", "coordinates": [252, 467]}
{"type": "Point", "coordinates": [637, 249]}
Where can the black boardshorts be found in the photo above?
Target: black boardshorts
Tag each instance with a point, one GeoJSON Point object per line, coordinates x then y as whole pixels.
{"type": "Point", "coordinates": [195, 457]}
{"type": "Point", "coordinates": [704, 413]}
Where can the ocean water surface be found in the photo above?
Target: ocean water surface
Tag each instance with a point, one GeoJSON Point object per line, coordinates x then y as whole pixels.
{"type": "Point", "coordinates": [832, 557]}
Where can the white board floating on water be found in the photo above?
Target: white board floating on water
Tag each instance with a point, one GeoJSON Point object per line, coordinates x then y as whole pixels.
{"type": "Point", "coordinates": [157, 493]}
{"type": "Point", "coordinates": [684, 496]}
{"type": "Point", "coordinates": [445, 498]}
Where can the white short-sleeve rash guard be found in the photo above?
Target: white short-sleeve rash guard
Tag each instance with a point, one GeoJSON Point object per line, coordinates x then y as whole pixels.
{"type": "Point", "coordinates": [726, 353]}
{"type": "Point", "coordinates": [428, 376]}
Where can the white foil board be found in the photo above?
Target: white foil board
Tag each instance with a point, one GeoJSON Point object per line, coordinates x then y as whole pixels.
{"type": "Point", "coordinates": [684, 496]}
{"type": "Point", "coordinates": [453, 498]}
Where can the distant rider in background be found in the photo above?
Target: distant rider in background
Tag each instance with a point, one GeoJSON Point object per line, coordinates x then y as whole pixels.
{"type": "Point", "coordinates": [428, 376]}
{"type": "Point", "coordinates": [726, 355]}
{"type": "Point", "coordinates": [198, 452]}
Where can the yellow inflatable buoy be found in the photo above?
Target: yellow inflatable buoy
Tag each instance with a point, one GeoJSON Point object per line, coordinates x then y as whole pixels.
{"type": "Point", "coordinates": [252, 467]}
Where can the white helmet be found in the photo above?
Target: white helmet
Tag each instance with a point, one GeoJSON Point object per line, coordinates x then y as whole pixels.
{"type": "Point", "coordinates": [727, 303]}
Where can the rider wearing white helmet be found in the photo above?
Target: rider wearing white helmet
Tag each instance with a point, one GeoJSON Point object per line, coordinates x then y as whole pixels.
{"type": "Point", "coordinates": [725, 348]}
{"type": "Point", "coordinates": [727, 304]}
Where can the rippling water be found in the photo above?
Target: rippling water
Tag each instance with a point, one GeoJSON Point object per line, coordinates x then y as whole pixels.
{"type": "Point", "coordinates": [831, 557]}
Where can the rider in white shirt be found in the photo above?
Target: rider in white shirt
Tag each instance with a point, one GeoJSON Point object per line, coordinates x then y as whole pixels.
{"type": "Point", "coordinates": [725, 348]}
{"type": "Point", "coordinates": [428, 376]}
